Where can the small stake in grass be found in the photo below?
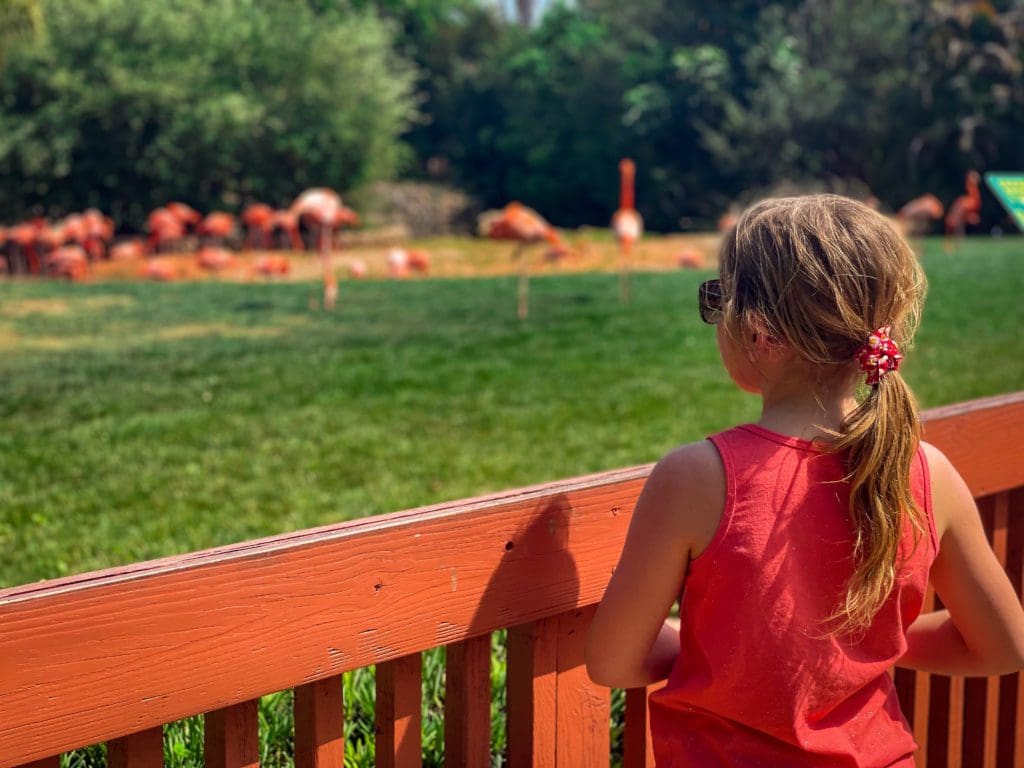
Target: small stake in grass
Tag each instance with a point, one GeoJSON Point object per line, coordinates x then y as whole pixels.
{"type": "Point", "coordinates": [517, 222]}
{"type": "Point", "coordinates": [627, 223]}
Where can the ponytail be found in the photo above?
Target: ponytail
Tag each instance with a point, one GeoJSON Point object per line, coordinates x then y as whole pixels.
{"type": "Point", "coordinates": [879, 440]}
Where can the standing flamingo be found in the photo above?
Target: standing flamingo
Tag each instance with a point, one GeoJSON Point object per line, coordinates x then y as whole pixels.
{"type": "Point", "coordinates": [965, 209]}
{"type": "Point", "coordinates": [288, 223]}
{"type": "Point", "coordinates": [258, 219]}
{"type": "Point", "coordinates": [323, 207]}
{"type": "Point", "coordinates": [217, 225]}
{"type": "Point", "coordinates": [627, 223]}
{"type": "Point", "coordinates": [163, 227]}
{"type": "Point", "coordinates": [519, 223]}
{"type": "Point", "coordinates": [186, 214]}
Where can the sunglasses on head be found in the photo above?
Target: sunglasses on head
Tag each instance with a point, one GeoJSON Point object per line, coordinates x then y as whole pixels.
{"type": "Point", "coordinates": [709, 301]}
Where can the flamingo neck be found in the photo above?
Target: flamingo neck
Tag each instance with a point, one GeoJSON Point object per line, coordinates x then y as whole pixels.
{"type": "Point", "coordinates": [627, 174]}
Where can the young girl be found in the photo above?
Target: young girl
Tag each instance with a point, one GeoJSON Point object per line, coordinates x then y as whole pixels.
{"type": "Point", "coordinates": [801, 546]}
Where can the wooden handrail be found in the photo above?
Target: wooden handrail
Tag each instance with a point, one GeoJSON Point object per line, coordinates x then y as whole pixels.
{"type": "Point", "coordinates": [97, 656]}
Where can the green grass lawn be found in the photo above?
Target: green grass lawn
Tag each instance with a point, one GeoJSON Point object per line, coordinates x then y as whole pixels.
{"type": "Point", "coordinates": [141, 420]}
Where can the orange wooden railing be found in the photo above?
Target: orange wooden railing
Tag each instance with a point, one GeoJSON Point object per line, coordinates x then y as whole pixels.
{"type": "Point", "coordinates": [111, 656]}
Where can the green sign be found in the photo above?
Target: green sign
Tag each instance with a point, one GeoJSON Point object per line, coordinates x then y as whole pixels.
{"type": "Point", "coordinates": [1009, 188]}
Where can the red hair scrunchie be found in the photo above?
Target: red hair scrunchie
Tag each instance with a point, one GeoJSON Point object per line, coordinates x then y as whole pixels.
{"type": "Point", "coordinates": [879, 355]}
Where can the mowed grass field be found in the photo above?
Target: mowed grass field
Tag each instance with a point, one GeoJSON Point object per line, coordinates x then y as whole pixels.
{"type": "Point", "coordinates": [140, 420]}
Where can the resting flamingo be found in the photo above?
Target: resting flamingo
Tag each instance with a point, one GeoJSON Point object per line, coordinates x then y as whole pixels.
{"type": "Point", "coordinates": [70, 261]}
{"type": "Point", "coordinates": [627, 223]}
{"type": "Point", "coordinates": [323, 207]}
{"type": "Point", "coordinates": [965, 209]}
{"type": "Point", "coordinates": [519, 223]}
{"type": "Point", "coordinates": [916, 215]}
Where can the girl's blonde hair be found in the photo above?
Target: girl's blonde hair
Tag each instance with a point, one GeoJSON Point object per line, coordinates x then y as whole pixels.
{"type": "Point", "coordinates": [819, 274]}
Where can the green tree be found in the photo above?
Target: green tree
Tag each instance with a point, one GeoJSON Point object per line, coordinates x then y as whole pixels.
{"type": "Point", "coordinates": [19, 19]}
{"type": "Point", "coordinates": [133, 104]}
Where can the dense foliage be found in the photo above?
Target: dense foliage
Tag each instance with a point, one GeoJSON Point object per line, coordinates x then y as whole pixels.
{"type": "Point", "coordinates": [125, 104]}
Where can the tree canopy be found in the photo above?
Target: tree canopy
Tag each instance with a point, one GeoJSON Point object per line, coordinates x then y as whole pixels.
{"type": "Point", "coordinates": [216, 101]}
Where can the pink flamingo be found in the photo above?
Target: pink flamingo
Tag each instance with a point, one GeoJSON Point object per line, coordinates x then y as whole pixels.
{"type": "Point", "coordinates": [965, 209]}
{"type": "Point", "coordinates": [258, 220]}
{"type": "Point", "coordinates": [519, 223]}
{"type": "Point", "coordinates": [214, 258]}
{"type": "Point", "coordinates": [70, 261]}
{"type": "Point", "coordinates": [323, 207]}
{"type": "Point", "coordinates": [99, 230]}
{"type": "Point", "coordinates": [163, 227]}
{"type": "Point", "coordinates": [288, 223]}
{"type": "Point", "coordinates": [217, 225]}
{"type": "Point", "coordinates": [273, 265]}
{"type": "Point", "coordinates": [186, 214]}
{"type": "Point", "coordinates": [915, 215]}
{"type": "Point", "coordinates": [627, 223]}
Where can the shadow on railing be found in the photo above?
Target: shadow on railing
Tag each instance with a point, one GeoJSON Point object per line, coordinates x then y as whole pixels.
{"type": "Point", "coordinates": [113, 655]}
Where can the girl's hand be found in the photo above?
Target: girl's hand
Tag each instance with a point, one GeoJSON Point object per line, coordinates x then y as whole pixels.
{"type": "Point", "coordinates": [982, 630]}
{"type": "Point", "coordinates": [630, 644]}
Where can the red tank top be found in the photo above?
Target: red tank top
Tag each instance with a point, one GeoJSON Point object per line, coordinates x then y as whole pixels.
{"type": "Point", "coordinates": [754, 683]}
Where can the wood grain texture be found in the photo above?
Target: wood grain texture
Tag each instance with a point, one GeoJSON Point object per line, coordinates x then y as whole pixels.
{"type": "Point", "coordinates": [144, 749]}
{"type": "Point", "coordinates": [467, 703]}
{"type": "Point", "coordinates": [154, 642]}
{"type": "Point", "coordinates": [531, 683]}
{"type": "Point", "coordinates": [398, 713]}
{"type": "Point", "coordinates": [982, 439]}
{"type": "Point", "coordinates": [320, 724]}
{"type": "Point", "coordinates": [583, 709]}
{"type": "Point", "coordinates": [231, 738]}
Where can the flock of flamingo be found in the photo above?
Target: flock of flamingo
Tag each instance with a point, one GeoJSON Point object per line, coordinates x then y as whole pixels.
{"type": "Point", "coordinates": [68, 247]}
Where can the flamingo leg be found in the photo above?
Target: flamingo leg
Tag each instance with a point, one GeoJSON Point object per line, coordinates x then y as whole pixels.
{"type": "Point", "coordinates": [330, 281]}
{"type": "Point", "coordinates": [626, 248]}
{"type": "Point", "coordinates": [524, 281]}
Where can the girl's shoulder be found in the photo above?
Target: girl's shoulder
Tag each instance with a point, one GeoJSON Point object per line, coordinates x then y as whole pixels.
{"type": "Point", "coordinates": [691, 484]}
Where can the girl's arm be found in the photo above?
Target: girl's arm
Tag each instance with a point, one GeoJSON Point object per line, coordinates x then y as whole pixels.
{"type": "Point", "coordinates": [981, 632]}
{"type": "Point", "coordinates": [630, 643]}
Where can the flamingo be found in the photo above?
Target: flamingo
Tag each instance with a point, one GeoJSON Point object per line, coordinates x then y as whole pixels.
{"type": "Point", "coordinates": [258, 219]}
{"type": "Point", "coordinates": [213, 258]}
{"type": "Point", "coordinates": [273, 265]}
{"type": "Point", "coordinates": [357, 269]}
{"type": "Point", "coordinates": [26, 238]}
{"type": "Point", "coordinates": [627, 223]}
{"type": "Point", "coordinates": [218, 225]}
{"type": "Point", "coordinates": [691, 258]}
{"type": "Point", "coordinates": [517, 222]}
{"type": "Point", "coordinates": [128, 250]}
{"type": "Point", "coordinates": [70, 261]}
{"type": "Point", "coordinates": [99, 230]}
{"type": "Point", "coordinates": [163, 227]}
{"type": "Point", "coordinates": [965, 209]}
{"type": "Point", "coordinates": [186, 214]}
{"type": "Point", "coordinates": [398, 263]}
{"type": "Point", "coordinates": [324, 208]}
{"type": "Point", "coordinates": [288, 222]}
{"type": "Point", "coordinates": [925, 206]}
{"type": "Point", "coordinates": [158, 269]}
